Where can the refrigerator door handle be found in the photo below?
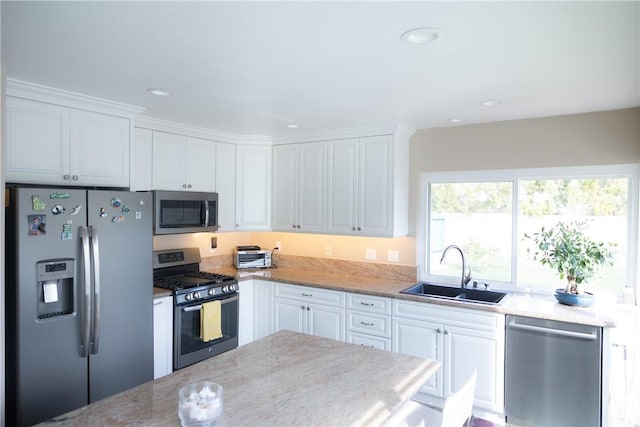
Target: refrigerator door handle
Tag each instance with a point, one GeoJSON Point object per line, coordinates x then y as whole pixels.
{"type": "Point", "coordinates": [95, 249]}
{"type": "Point", "coordinates": [86, 289]}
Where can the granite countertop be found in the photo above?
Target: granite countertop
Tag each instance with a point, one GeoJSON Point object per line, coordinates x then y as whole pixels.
{"type": "Point", "coordinates": [601, 314]}
{"type": "Point", "coordinates": [285, 379]}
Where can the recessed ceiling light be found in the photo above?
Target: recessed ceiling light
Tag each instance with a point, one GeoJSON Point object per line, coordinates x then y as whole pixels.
{"type": "Point", "coordinates": [422, 35]}
{"type": "Point", "coordinates": [292, 126]}
{"type": "Point", "coordinates": [158, 92]}
{"type": "Point", "coordinates": [456, 120]}
{"type": "Point", "coordinates": [491, 103]}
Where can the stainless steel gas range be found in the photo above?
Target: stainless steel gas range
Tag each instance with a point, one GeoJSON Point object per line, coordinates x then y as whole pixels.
{"type": "Point", "coordinates": [196, 309]}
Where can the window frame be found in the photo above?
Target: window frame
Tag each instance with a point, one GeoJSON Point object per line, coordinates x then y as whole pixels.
{"type": "Point", "coordinates": [629, 171]}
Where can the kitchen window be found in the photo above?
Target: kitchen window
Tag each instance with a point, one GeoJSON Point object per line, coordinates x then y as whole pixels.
{"type": "Point", "coordinates": [487, 213]}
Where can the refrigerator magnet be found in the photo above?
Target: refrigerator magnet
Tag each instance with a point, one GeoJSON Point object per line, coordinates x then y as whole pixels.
{"type": "Point", "coordinates": [76, 210]}
{"type": "Point", "coordinates": [37, 203]}
{"type": "Point", "coordinates": [66, 232]}
{"type": "Point", "coordinates": [103, 213]}
{"type": "Point", "coordinates": [58, 209]}
{"type": "Point", "coordinates": [37, 225]}
{"type": "Point", "coordinates": [138, 215]}
{"type": "Point", "coordinates": [115, 202]}
{"type": "Point", "coordinates": [117, 219]}
{"type": "Point", "coordinates": [59, 196]}
{"type": "Point", "coordinates": [125, 209]}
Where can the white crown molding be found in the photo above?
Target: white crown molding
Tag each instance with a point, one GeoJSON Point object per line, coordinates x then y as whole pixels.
{"type": "Point", "coordinates": [199, 132]}
{"type": "Point", "coordinates": [358, 132]}
{"type": "Point", "coordinates": [36, 92]}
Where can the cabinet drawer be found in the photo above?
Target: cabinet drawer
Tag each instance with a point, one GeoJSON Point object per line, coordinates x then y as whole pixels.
{"type": "Point", "coordinates": [307, 294]}
{"type": "Point", "coordinates": [367, 323]}
{"type": "Point", "coordinates": [369, 341]}
{"type": "Point", "coordinates": [453, 316]}
{"type": "Point", "coordinates": [369, 303]}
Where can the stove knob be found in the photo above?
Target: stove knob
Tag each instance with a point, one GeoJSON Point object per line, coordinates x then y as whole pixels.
{"type": "Point", "coordinates": [188, 297]}
{"type": "Point", "coordinates": [232, 288]}
{"type": "Point", "coordinates": [196, 295]}
{"type": "Point", "coordinates": [225, 288]}
{"type": "Point", "coordinates": [211, 292]}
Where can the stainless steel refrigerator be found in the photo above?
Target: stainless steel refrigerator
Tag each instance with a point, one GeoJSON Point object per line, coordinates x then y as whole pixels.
{"type": "Point", "coordinates": [79, 298]}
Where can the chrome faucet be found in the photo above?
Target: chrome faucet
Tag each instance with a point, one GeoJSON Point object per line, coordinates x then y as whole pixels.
{"type": "Point", "coordinates": [466, 266]}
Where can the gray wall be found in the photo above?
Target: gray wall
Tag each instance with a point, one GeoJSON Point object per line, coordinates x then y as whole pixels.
{"type": "Point", "coordinates": [601, 138]}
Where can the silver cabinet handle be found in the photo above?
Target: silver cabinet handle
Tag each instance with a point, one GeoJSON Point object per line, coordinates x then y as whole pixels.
{"type": "Point", "coordinates": [353, 229]}
{"type": "Point", "coordinates": [189, 186]}
{"type": "Point", "coordinates": [184, 185]}
{"type": "Point", "coordinates": [306, 295]}
{"type": "Point", "coordinates": [66, 177]}
{"type": "Point", "coordinates": [74, 177]}
{"type": "Point", "coordinates": [95, 247]}
{"type": "Point", "coordinates": [157, 303]}
{"type": "Point", "coordinates": [439, 330]}
{"type": "Point", "coordinates": [359, 229]}
{"type": "Point", "coordinates": [366, 304]}
{"type": "Point", "coordinates": [446, 332]}
{"type": "Point", "coordinates": [293, 226]}
{"type": "Point", "coordinates": [366, 324]}
{"type": "Point", "coordinates": [86, 284]}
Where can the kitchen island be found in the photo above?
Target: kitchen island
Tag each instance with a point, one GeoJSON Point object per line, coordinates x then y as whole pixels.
{"type": "Point", "coordinates": [285, 379]}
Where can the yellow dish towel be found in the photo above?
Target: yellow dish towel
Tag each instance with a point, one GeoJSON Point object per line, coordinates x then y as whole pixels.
{"type": "Point", "coordinates": [210, 321]}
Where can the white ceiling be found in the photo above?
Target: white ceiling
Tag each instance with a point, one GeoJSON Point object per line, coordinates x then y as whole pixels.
{"type": "Point", "coordinates": [249, 68]}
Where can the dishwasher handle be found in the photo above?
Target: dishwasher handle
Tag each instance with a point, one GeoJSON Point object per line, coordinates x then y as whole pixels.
{"type": "Point", "coordinates": [585, 336]}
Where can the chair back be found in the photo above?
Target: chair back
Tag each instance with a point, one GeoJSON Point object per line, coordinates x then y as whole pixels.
{"type": "Point", "coordinates": [458, 406]}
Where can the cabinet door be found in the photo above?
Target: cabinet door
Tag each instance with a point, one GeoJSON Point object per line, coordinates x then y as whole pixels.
{"type": "Point", "coordinates": [169, 161]}
{"type": "Point", "coordinates": [466, 350]}
{"type": "Point", "coordinates": [141, 160]}
{"type": "Point", "coordinates": [200, 165]}
{"type": "Point", "coordinates": [263, 309]}
{"type": "Point", "coordinates": [37, 142]}
{"type": "Point", "coordinates": [421, 339]}
{"type": "Point", "coordinates": [253, 184]}
{"type": "Point", "coordinates": [246, 315]}
{"type": "Point", "coordinates": [226, 185]}
{"type": "Point", "coordinates": [375, 207]}
{"type": "Point", "coordinates": [290, 315]}
{"type": "Point", "coordinates": [342, 189]}
{"type": "Point", "coordinates": [327, 322]}
{"type": "Point", "coordinates": [311, 187]}
{"type": "Point", "coordinates": [99, 149]}
{"type": "Point", "coordinates": [285, 188]}
{"type": "Point", "coordinates": [162, 336]}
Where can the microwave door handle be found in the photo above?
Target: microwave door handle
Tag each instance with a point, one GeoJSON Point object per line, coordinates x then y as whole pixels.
{"type": "Point", "coordinates": [206, 214]}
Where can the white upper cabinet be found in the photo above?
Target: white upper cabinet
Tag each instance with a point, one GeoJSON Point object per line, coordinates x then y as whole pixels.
{"type": "Point", "coordinates": [253, 187]}
{"type": "Point", "coordinates": [183, 163]}
{"type": "Point", "coordinates": [141, 160]}
{"type": "Point", "coordinates": [226, 185]}
{"type": "Point", "coordinates": [52, 144]}
{"type": "Point", "coordinates": [299, 172]}
{"type": "Point", "coordinates": [368, 186]}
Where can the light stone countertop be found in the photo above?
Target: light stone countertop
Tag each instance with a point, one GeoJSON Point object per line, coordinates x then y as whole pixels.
{"type": "Point", "coordinates": [602, 313]}
{"type": "Point", "coordinates": [285, 379]}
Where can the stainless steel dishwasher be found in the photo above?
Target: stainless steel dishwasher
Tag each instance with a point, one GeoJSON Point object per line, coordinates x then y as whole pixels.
{"type": "Point", "coordinates": [552, 373]}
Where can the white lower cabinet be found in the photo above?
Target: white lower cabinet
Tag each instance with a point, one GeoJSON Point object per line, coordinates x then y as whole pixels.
{"type": "Point", "coordinates": [262, 308]}
{"type": "Point", "coordinates": [369, 321]}
{"type": "Point", "coordinates": [463, 340]}
{"type": "Point", "coordinates": [246, 312]}
{"type": "Point", "coordinates": [162, 336]}
{"type": "Point", "coordinates": [311, 311]}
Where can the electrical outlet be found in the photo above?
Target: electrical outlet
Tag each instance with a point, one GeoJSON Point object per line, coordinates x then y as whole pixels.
{"type": "Point", "coordinates": [393, 256]}
{"type": "Point", "coordinates": [370, 254]}
{"type": "Point", "coordinates": [214, 242]}
{"type": "Point", "coordinates": [278, 245]}
{"type": "Point", "coordinates": [327, 250]}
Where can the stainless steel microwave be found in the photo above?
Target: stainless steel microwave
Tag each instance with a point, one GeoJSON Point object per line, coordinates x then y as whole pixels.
{"type": "Point", "coordinates": [178, 212]}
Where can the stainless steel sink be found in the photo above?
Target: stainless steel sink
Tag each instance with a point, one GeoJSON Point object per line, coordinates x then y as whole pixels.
{"type": "Point", "coordinates": [455, 293]}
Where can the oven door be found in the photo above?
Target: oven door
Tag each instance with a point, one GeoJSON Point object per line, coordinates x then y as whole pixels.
{"type": "Point", "coordinates": [188, 347]}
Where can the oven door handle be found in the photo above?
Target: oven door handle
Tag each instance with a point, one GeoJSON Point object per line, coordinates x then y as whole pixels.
{"type": "Point", "coordinates": [199, 306]}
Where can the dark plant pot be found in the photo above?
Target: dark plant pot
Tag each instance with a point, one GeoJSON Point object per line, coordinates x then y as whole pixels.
{"type": "Point", "coordinates": [585, 299]}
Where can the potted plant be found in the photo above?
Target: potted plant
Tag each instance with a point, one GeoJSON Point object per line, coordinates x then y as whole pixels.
{"type": "Point", "coordinates": [567, 249]}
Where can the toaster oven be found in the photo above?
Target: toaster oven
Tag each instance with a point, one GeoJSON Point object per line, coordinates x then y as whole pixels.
{"type": "Point", "coordinates": [251, 257]}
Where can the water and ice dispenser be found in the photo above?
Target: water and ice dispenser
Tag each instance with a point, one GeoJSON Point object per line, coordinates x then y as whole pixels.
{"type": "Point", "coordinates": [55, 287]}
